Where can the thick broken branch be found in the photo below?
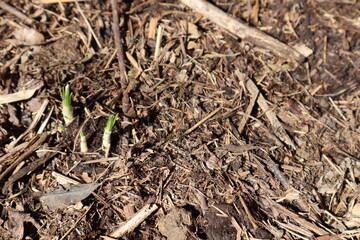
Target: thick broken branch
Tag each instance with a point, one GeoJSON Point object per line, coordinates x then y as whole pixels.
{"type": "Point", "coordinates": [241, 30]}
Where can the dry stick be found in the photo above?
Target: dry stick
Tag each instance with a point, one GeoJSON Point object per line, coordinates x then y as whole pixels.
{"type": "Point", "coordinates": [76, 223]}
{"type": "Point", "coordinates": [32, 125]}
{"type": "Point", "coordinates": [88, 25]}
{"type": "Point", "coordinates": [202, 121]}
{"type": "Point", "coordinates": [243, 31]}
{"type": "Point", "coordinates": [295, 230]}
{"type": "Point", "coordinates": [16, 12]}
{"type": "Point", "coordinates": [18, 96]}
{"type": "Point", "coordinates": [141, 6]}
{"type": "Point", "coordinates": [13, 152]}
{"type": "Point", "coordinates": [273, 167]}
{"type": "Point", "coordinates": [249, 214]}
{"type": "Point", "coordinates": [26, 170]}
{"type": "Point", "coordinates": [133, 222]}
{"type": "Point", "coordinates": [62, 1]}
{"type": "Point", "coordinates": [33, 145]}
{"type": "Point", "coordinates": [297, 218]}
{"type": "Point", "coordinates": [123, 76]}
{"type": "Point", "coordinates": [118, 44]}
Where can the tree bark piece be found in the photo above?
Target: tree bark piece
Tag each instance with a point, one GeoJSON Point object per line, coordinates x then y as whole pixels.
{"type": "Point", "coordinates": [243, 31]}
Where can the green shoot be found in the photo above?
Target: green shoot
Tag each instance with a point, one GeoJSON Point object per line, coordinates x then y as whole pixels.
{"type": "Point", "coordinates": [67, 109]}
{"type": "Point", "coordinates": [107, 132]}
{"type": "Point", "coordinates": [83, 143]}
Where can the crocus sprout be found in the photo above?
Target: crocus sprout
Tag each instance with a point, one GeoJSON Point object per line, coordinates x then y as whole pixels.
{"type": "Point", "coordinates": [83, 143]}
{"type": "Point", "coordinates": [67, 109]}
{"type": "Point", "coordinates": [107, 132]}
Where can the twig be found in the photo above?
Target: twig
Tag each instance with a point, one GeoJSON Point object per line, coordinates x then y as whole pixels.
{"type": "Point", "coordinates": [203, 120]}
{"type": "Point", "coordinates": [76, 223]}
{"type": "Point", "coordinates": [118, 44]}
{"type": "Point", "coordinates": [26, 170]}
{"type": "Point", "coordinates": [123, 76]}
{"type": "Point", "coordinates": [140, 6]}
{"type": "Point", "coordinates": [32, 125]}
{"type": "Point", "coordinates": [337, 108]}
{"type": "Point", "coordinates": [45, 122]}
{"type": "Point", "coordinates": [62, 1]}
{"type": "Point", "coordinates": [18, 96]}
{"type": "Point", "coordinates": [133, 222]}
{"type": "Point", "coordinates": [32, 146]}
{"type": "Point", "coordinates": [88, 25]}
{"type": "Point", "coordinates": [158, 42]}
{"type": "Point", "coordinates": [126, 105]}
{"type": "Point", "coordinates": [12, 152]}
{"type": "Point", "coordinates": [243, 31]}
{"type": "Point", "coordinates": [250, 216]}
{"type": "Point", "coordinates": [16, 12]}
{"type": "Point", "coordinates": [337, 169]}
{"type": "Point", "coordinates": [297, 218]}
{"type": "Point", "coordinates": [273, 167]}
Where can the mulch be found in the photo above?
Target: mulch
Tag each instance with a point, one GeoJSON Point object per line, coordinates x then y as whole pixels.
{"type": "Point", "coordinates": [220, 134]}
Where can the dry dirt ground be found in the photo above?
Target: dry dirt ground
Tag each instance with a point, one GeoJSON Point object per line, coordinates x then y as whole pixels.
{"type": "Point", "coordinates": [216, 137]}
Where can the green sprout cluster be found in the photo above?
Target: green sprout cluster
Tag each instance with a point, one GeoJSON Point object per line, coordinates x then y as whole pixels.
{"type": "Point", "coordinates": [83, 142]}
{"type": "Point", "coordinates": [67, 108]}
{"type": "Point", "coordinates": [68, 114]}
{"type": "Point", "coordinates": [107, 132]}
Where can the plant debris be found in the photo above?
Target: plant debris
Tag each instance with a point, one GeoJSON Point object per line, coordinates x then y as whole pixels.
{"type": "Point", "coordinates": [235, 121]}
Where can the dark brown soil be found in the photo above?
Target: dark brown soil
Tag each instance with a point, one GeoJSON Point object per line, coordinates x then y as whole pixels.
{"type": "Point", "coordinates": [192, 137]}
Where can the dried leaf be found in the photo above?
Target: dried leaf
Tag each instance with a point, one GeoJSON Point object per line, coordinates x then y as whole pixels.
{"type": "Point", "coordinates": [191, 29]}
{"type": "Point", "coordinates": [16, 223]}
{"type": "Point", "coordinates": [34, 104]}
{"type": "Point", "coordinates": [12, 115]}
{"type": "Point", "coordinates": [62, 198]}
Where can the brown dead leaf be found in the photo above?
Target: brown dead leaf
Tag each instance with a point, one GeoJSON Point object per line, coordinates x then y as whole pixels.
{"type": "Point", "coordinates": [16, 223]}
{"type": "Point", "coordinates": [12, 115]}
{"type": "Point", "coordinates": [191, 29]}
{"type": "Point", "coordinates": [34, 104]}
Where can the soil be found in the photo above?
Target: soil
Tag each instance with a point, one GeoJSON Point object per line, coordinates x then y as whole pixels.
{"type": "Point", "coordinates": [224, 139]}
